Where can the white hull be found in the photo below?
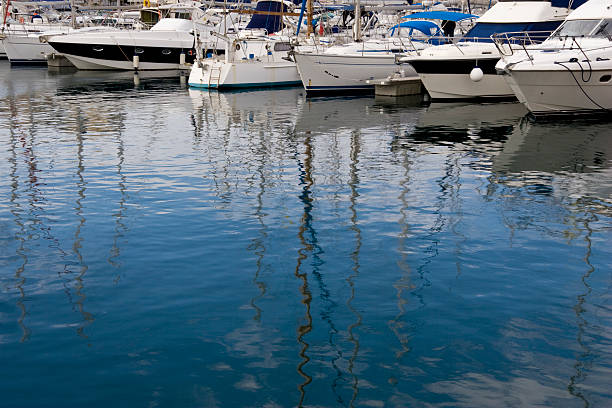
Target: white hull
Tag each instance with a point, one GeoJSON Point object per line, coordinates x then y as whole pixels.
{"type": "Point", "coordinates": [460, 86]}
{"type": "Point", "coordinates": [550, 92]}
{"type": "Point", "coordinates": [243, 74]}
{"type": "Point", "coordinates": [22, 49]}
{"type": "Point", "coordinates": [156, 49]}
{"type": "Point", "coordinates": [328, 72]}
{"type": "Point", "coordinates": [86, 63]}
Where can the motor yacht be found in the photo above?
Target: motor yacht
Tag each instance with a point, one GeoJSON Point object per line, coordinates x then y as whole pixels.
{"type": "Point", "coordinates": [465, 68]}
{"type": "Point", "coordinates": [169, 44]}
{"type": "Point", "coordinates": [570, 72]}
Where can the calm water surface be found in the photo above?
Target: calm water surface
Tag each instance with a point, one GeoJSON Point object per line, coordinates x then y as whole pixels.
{"type": "Point", "coordinates": [168, 247]}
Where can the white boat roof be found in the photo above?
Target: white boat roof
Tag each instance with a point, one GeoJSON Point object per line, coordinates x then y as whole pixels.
{"type": "Point", "coordinates": [592, 10]}
{"type": "Point", "coordinates": [173, 24]}
{"type": "Point", "coordinates": [522, 12]}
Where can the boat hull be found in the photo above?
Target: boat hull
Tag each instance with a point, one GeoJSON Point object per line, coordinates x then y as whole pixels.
{"type": "Point", "coordinates": [550, 92]}
{"type": "Point", "coordinates": [26, 50]}
{"type": "Point", "coordinates": [116, 50]}
{"type": "Point", "coordinates": [449, 78]}
{"type": "Point", "coordinates": [247, 74]}
{"type": "Point", "coordinates": [321, 73]}
{"type": "Point", "coordinates": [461, 87]}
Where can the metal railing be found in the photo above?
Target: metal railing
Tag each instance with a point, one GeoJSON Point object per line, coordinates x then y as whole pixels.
{"type": "Point", "coordinates": [508, 43]}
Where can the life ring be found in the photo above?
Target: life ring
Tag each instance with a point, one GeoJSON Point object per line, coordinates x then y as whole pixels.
{"type": "Point", "coordinates": [190, 52]}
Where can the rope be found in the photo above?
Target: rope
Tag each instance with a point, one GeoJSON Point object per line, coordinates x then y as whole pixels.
{"type": "Point", "coordinates": [580, 86]}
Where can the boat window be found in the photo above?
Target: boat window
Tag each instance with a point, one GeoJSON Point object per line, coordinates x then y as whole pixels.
{"type": "Point", "coordinates": [604, 29]}
{"type": "Point", "coordinates": [282, 46]}
{"type": "Point", "coordinates": [576, 28]}
{"type": "Point", "coordinates": [483, 31]}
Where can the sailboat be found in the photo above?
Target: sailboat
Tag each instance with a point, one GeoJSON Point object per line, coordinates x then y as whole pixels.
{"type": "Point", "coordinates": [252, 58]}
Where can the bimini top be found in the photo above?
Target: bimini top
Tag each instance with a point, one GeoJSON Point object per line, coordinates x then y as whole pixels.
{"type": "Point", "coordinates": [428, 28]}
{"type": "Point", "coordinates": [440, 15]}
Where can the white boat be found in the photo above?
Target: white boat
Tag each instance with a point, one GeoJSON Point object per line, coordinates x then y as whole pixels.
{"type": "Point", "coordinates": [169, 44]}
{"type": "Point", "coordinates": [465, 69]}
{"type": "Point", "coordinates": [570, 72]}
{"type": "Point", "coordinates": [22, 44]}
{"type": "Point", "coordinates": [251, 58]}
{"type": "Point", "coordinates": [349, 67]}
{"type": "Point", "coordinates": [247, 63]}
{"type": "Point", "coordinates": [158, 48]}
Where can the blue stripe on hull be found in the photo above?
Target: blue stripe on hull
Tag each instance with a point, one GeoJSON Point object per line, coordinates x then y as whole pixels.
{"type": "Point", "coordinates": [349, 89]}
{"type": "Point", "coordinates": [249, 85]}
{"type": "Point", "coordinates": [28, 62]}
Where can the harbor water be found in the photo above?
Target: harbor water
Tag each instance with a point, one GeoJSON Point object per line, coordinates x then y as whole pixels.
{"type": "Point", "coordinates": [168, 247]}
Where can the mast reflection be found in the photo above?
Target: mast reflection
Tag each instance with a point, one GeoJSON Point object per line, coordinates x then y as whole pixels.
{"type": "Point", "coordinates": [353, 184]}
{"type": "Point", "coordinates": [17, 211]}
{"type": "Point", "coordinates": [306, 247]}
{"type": "Point", "coordinates": [81, 185]}
{"type": "Point", "coordinates": [582, 362]}
{"type": "Point", "coordinates": [120, 227]}
{"type": "Point", "coordinates": [258, 245]}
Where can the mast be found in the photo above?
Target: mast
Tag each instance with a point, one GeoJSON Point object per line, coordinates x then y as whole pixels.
{"type": "Point", "coordinates": [72, 14]}
{"type": "Point", "coordinates": [5, 11]}
{"type": "Point", "coordinates": [357, 22]}
{"type": "Point", "coordinates": [309, 17]}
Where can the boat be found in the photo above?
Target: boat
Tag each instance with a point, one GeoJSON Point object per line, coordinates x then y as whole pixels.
{"type": "Point", "coordinates": [169, 44]}
{"type": "Point", "coordinates": [465, 68]}
{"type": "Point", "coordinates": [253, 58]}
{"type": "Point", "coordinates": [570, 72]}
{"type": "Point", "coordinates": [347, 68]}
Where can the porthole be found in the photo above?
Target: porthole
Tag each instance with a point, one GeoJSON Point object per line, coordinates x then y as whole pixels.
{"type": "Point", "coordinates": [605, 78]}
{"type": "Point", "coordinates": [138, 50]}
{"type": "Point", "coordinates": [166, 51]}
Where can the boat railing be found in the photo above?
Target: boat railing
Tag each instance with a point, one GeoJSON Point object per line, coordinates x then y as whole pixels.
{"type": "Point", "coordinates": [508, 43]}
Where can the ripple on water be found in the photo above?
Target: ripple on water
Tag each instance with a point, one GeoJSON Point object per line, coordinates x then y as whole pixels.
{"type": "Point", "coordinates": [166, 246]}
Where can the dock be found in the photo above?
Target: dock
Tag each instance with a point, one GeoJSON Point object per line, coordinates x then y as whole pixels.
{"type": "Point", "coordinates": [397, 85]}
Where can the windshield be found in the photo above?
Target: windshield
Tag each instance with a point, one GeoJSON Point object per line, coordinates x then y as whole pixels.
{"type": "Point", "coordinates": [604, 29]}
{"type": "Point", "coordinates": [576, 28]}
{"type": "Point", "coordinates": [485, 30]}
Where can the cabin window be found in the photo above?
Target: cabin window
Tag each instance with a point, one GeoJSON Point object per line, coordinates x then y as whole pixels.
{"type": "Point", "coordinates": [576, 28]}
{"type": "Point", "coordinates": [282, 46]}
{"type": "Point", "coordinates": [604, 29]}
{"type": "Point", "coordinates": [605, 78]}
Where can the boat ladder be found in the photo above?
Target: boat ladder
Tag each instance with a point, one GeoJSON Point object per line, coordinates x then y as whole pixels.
{"type": "Point", "coordinates": [214, 76]}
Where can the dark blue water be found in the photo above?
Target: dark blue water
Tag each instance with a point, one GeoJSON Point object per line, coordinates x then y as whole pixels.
{"type": "Point", "coordinates": [168, 247]}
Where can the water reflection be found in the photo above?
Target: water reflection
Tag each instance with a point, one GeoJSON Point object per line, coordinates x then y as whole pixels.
{"type": "Point", "coordinates": [354, 194]}
{"type": "Point", "coordinates": [20, 222]}
{"type": "Point", "coordinates": [537, 152]}
{"type": "Point", "coordinates": [408, 289]}
{"type": "Point", "coordinates": [307, 239]}
{"type": "Point", "coordinates": [81, 185]}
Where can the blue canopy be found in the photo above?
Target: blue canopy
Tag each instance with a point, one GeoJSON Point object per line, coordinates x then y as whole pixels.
{"type": "Point", "coordinates": [426, 27]}
{"type": "Point", "coordinates": [271, 23]}
{"type": "Point", "coordinates": [441, 15]}
{"type": "Point", "coordinates": [573, 4]}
